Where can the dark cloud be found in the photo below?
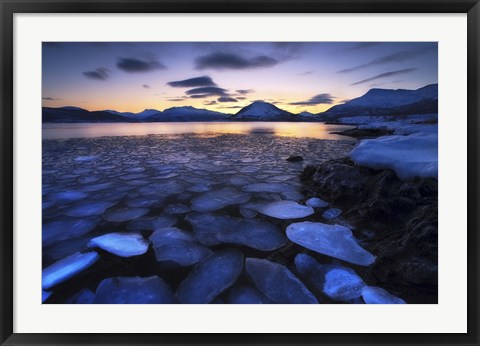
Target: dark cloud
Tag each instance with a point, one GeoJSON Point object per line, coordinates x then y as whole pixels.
{"type": "Point", "coordinates": [241, 98]}
{"type": "Point", "coordinates": [220, 60]}
{"type": "Point", "coordinates": [193, 82]}
{"type": "Point", "coordinates": [100, 73]}
{"type": "Point", "coordinates": [50, 99]}
{"type": "Point", "coordinates": [146, 86]}
{"type": "Point", "coordinates": [226, 99]}
{"type": "Point", "coordinates": [316, 100]}
{"type": "Point", "coordinates": [385, 75]}
{"type": "Point", "coordinates": [395, 57]}
{"type": "Point", "coordinates": [201, 96]}
{"type": "Point", "coordinates": [210, 103]}
{"type": "Point", "coordinates": [203, 92]}
{"type": "Point", "coordinates": [306, 73]}
{"type": "Point", "coordinates": [245, 91]}
{"type": "Point", "coordinates": [132, 65]}
{"type": "Point", "coordinates": [176, 99]}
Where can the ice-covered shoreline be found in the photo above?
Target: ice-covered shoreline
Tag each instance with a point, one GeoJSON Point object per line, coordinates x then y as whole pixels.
{"type": "Point", "coordinates": [408, 146]}
{"type": "Point", "coordinates": [388, 187]}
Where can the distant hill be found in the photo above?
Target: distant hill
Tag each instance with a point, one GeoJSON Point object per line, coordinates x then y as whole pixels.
{"type": "Point", "coordinates": [139, 116]}
{"type": "Point", "coordinates": [260, 110]}
{"type": "Point", "coordinates": [306, 114]}
{"type": "Point", "coordinates": [79, 115]}
{"type": "Point", "coordinates": [187, 113]}
{"type": "Point", "coordinates": [390, 102]}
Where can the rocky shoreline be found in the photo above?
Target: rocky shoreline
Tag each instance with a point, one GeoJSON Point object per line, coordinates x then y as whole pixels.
{"type": "Point", "coordinates": [395, 219]}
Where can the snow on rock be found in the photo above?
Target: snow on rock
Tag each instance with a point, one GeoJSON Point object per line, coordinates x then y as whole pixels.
{"type": "Point", "coordinates": [409, 157]}
{"type": "Point", "coordinates": [218, 199]}
{"type": "Point", "coordinates": [277, 282]}
{"type": "Point", "coordinates": [331, 240]}
{"type": "Point", "coordinates": [377, 295]}
{"type": "Point", "coordinates": [121, 244]}
{"type": "Point", "coordinates": [316, 203]}
{"type": "Point", "coordinates": [124, 214]}
{"type": "Point", "coordinates": [331, 213]}
{"type": "Point", "coordinates": [211, 229]}
{"type": "Point", "coordinates": [243, 294]}
{"type": "Point", "coordinates": [176, 245]}
{"type": "Point", "coordinates": [88, 208]}
{"type": "Point", "coordinates": [343, 284]}
{"type": "Point", "coordinates": [284, 209]}
{"type": "Point", "coordinates": [66, 268]}
{"type": "Point", "coordinates": [134, 290]}
{"type": "Point", "coordinates": [211, 277]}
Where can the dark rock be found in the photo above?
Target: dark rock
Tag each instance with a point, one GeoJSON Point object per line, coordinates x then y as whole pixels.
{"type": "Point", "coordinates": [364, 133]}
{"type": "Point", "coordinates": [295, 158]}
{"type": "Point", "coordinates": [403, 219]}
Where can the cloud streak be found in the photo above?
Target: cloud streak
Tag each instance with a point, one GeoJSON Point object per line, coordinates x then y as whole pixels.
{"type": "Point", "coordinates": [315, 100]}
{"type": "Point", "coordinates": [385, 75]}
{"type": "Point", "coordinates": [206, 92]}
{"type": "Point", "coordinates": [223, 61]}
{"type": "Point", "coordinates": [226, 99]}
{"type": "Point", "coordinates": [245, 91]}
{"type": "Point", "coordinates": [50, 99]}
{"type": "Point", "coordinates": [100, 74]}
{"type": "Point", "coordinates": [395, 57]}
{"type": "Point", "coordinates": [131, 65]}
{"type": "Point", "coordinates": [193, 82]}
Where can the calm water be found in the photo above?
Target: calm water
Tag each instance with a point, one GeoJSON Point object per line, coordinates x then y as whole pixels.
{"type": "Point", "coordinates": [280, 129]}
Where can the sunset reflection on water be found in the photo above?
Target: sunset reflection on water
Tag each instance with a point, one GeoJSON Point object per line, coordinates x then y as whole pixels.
{"type": "Point", "coordinates": [207, 129]}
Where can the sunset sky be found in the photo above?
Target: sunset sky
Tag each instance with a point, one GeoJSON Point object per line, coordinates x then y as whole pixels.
{"type": "Point", "coordinates": [226, 76]}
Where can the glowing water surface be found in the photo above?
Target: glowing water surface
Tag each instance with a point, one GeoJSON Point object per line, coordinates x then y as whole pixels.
{"type": "Point", "coordinates": [281, 129]}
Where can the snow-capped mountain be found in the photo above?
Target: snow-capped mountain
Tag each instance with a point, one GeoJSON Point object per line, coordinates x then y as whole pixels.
{"type": "Point", "coordinates": [260, 110]}
{"type": "Point", "coordinates": [141, 115]}
{"type": "Point", "coordinates": [390, 102]}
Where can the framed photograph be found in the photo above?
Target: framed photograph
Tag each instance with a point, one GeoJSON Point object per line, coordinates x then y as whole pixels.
{"type": "Point", "coordinates": [234, 173]}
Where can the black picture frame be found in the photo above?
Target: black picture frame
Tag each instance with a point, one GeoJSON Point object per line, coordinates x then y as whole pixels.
{"type": "Point", "coordinates": [10, 7]}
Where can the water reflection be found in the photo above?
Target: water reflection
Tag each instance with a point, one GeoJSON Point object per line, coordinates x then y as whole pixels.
{"type": "Point", "coordinates": [281, 129]}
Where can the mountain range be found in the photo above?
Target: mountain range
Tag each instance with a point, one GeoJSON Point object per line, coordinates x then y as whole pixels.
{"type": "Point", "coordinates": [374, 102]}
